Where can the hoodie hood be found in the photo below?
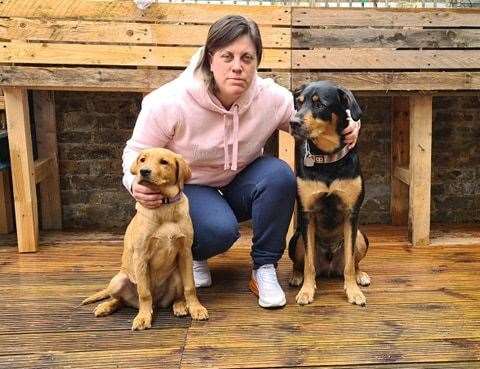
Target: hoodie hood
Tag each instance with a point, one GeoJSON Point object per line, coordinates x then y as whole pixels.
{"type": "Point", "coordinates": [192, 80]}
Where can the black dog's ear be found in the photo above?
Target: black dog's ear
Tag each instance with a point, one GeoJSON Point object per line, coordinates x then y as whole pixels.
{"type": "Point", "coordinates": [296, 93]}
{"type": "Point", "coordinates": [348, 102]}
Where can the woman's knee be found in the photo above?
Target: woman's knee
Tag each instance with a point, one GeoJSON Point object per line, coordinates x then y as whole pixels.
{"type": "Point", "coordinates": [215, 238]}
{"type": "Point", "coordinates": [280, 178]}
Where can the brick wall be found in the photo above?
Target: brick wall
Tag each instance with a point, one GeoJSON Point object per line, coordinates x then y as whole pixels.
{"type": "Point", "coordinates": [93, 128]}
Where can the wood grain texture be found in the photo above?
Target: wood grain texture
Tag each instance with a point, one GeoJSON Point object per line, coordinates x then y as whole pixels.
{"type": "Point", "coordinates": [422, 311]}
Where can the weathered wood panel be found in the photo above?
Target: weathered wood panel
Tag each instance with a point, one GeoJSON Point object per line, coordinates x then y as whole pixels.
{"type": "Point", "coordinates": [127, 10]}
{"type": "Point", "coordinates": [322, 17]}
{"type": "Point", "coordinates": [117, 55]}
{"type": "Point", "coordinates": [122, 32]}
{"type": "Point", "coordinates": [377, 58]}
{"type": "Point", "coordinates": [97, 79]}
{"type": "Point", "coordinates": [393, 81]}
{"type": "Point", "coordinates": [385, 37]}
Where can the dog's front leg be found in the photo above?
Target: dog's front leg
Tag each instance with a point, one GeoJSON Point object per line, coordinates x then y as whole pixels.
{"type": "Point", "coordinates": [197, 311]}
{"type": "Point", "coordinates": [143, 320]}
{"type": "Point", "coordinates": [354, 294]}
{"type": "Point", "coordinates": [307, 292]}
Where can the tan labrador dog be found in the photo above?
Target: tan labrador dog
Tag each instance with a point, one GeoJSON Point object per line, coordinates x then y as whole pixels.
{"type": "Point", "coordinates": [157, 256]}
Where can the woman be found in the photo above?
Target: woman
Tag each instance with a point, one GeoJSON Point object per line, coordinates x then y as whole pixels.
{"type": "Point", "coordinates": [218, 115]}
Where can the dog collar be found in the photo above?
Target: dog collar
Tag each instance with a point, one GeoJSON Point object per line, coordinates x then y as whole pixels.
{"type": "Point", "coordinates": [171, 200]}
{"type": "Point", "coordinates": [310, 159]}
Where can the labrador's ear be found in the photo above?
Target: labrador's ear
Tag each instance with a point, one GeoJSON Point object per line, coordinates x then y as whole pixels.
{"type": "Point", "coordinates": [134, 167]}
{"type": "Point", "coordinates": [183, 171]}
{"type": "Point", "coordinates": [348, 101]}
{"type": "Point", "coordinates": [296, 93]}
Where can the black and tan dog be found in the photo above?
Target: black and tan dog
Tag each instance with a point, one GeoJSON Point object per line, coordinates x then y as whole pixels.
{"type": "Point", "coordinates": [330, 190]}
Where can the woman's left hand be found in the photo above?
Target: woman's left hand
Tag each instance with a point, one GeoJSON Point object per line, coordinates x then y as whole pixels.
{"type": "Point", "coordinates": [350, 134]}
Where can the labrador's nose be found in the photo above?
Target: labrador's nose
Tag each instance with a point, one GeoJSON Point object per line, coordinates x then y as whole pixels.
{"type": "Point", "coordinates": [145, 172]}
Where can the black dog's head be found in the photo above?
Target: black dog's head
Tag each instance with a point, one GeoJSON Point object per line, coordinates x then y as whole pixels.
{"type": "Point", "coordinates": [321, 114]}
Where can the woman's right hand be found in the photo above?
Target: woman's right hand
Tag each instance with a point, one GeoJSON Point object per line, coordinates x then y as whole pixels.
{"type": "Point", "coordinates": [146, 195]}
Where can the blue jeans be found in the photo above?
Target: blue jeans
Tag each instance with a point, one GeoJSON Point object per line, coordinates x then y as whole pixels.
{"type": "Point", "coordinates": [264, 191]}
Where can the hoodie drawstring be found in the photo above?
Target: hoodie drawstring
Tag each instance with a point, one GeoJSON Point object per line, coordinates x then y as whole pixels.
{"type": "Point", "coordinates": [234, 137]}
{"type": "Point", "coordinates": [225, 143]}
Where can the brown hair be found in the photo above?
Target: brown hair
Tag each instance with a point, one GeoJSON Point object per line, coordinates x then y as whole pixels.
{"type": "Point", "coordinates": [222, 33]}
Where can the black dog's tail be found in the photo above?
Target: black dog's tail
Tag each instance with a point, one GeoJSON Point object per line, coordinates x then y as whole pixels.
{"type": "Point", "coordinates": [292, 245]}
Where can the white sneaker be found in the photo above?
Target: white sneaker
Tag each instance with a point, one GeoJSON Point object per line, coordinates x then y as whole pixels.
{"type": "Point", "coordinates": [264, 284]}
{"type": "Point", "coordinates": [201, 273]}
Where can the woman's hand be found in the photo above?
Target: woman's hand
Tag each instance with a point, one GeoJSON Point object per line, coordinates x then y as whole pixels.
{"type": "Point", "coordinates": [146, 195]}
{"type": "Point", "coordinates": [351, 132]}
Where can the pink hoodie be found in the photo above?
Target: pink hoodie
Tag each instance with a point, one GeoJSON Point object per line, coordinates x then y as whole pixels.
{"type": "Point", "coordinates": [185, 117]}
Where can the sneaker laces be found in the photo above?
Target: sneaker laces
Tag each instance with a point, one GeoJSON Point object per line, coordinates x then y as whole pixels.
{"type": "Point", "coordinates": [267, 274]}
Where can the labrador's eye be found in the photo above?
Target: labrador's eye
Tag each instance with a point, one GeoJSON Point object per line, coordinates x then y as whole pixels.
{"type": "Point", "coordinates": [142, 160]}
{"type": "Point", "coordinates": [163, 162]}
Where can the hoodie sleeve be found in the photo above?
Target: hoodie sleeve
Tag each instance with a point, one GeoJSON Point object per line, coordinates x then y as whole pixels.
{"type": "Point", "coordinates": [154, 127]}
{"type": "Point", "coordinates": [285, 110]}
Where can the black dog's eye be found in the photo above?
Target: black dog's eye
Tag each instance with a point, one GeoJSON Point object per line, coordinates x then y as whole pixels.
{"type": "Point", "coordinates": [163, 162]}
{"type": "Point", "coordinates": [300, 100]}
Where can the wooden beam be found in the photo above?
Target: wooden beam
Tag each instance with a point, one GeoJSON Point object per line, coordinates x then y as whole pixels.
{"type": "Point", "coordinates": [322, 17]}
{"type": "Point", "coordinates": [393, 81]}
{"type": "Point", "coordinates": [400, 151]}
{"type": "Point", "coordinates": [378, 58]}
{"type": "Point", "coordinates": [420, 168]}
{"type": "Point", "coordinates": [117, 55]}
{"type": "Point", "coordinates": [403, 174]}
{"type": "Point", "coordinates": [6, 205]}
{"type": "Point", "coordinates": [46, 131]}
{"type": "Point", "coordinates": [21, 160]}
{"type": "Point", "coordinates": [43, 167]}
{"type": "Point", "coordinates": [121, 10]}
{"type": "Point", "coordinates": [286, 152]}
{"type": "Point", "coordinates": [46, 30]}
{"type": "Point", "coordinates": [2, 103]}
{"type": "Point", "coordinates": [101, 79]}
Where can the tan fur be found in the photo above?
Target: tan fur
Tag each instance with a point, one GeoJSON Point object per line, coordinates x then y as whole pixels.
{"type": "Point", "coordinates": [157, 259]}
{"type": "Point", "coordinates": [323, 133]}
{"type": "Point", "coordinates": [347, 190]}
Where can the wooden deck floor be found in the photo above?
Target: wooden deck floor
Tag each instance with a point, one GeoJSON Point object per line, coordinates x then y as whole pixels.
{"type": "Point", "coordinates": [423, 311]}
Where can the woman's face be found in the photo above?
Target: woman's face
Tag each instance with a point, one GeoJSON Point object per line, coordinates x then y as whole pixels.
{"type": "Point", "coordinates": [233, 68]}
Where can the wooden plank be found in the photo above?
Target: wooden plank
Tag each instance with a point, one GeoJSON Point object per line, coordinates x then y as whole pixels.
{"type": "Point", "coordinates": [309, 38]}
{"type": "Point", "coordinates": [21, 159]}
{"type": "Point", "coordinates": [393, 81]}
{"type": "Point", "coordinates": [420, 168]}
{"type": "Point", "coordinates": [46, 132]}
{"type": "Point", "coordinates": [377, 58]}
{"type": "Point", "coordinates": [146, 358]}
{"type": "Point", "coordinates": [7, 224]}
{"type": "Point", "coordinates": [79, 54]}
{"type": "Point", "coordinates": [101, 79]}
{"type": "Point", "coordinates": [272, 355]}
{"type": "Point", "coordinates": [322, 17]}
{"type": "Point", "coordinates": [286, 152]}
{"type": "Point", "coordinates": [127, 10]}
{"type": "Point", "coordinates": [43, 168]}
{"type": "Point", "coordinates": [69, 342]}
{"type": "Point", "coordinates": [2, 103]}
{"type": "Point", "coordinates": [400, 151]}
{"type": "Point", "coordinates": [403, 174]}
{"type": "Point", "coordinates": [24, 29]}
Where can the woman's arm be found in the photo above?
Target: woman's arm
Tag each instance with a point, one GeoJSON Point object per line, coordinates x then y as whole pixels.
{"type": "Point", "coordinates": [351, 132]}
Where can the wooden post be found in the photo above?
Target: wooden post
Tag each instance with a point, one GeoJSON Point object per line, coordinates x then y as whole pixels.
{"type": "Point", "coordinates": [286, 152]}
{"type": "Point", "coordinates": [6, 213]}
{"type": "Point", "coordinates": [50, 201]}
{"type": "Point", "coordinates": [400, 141]}
{"type": "Point", "coordinates": [21, 160]}
{"type": "Point", "coordinates": [420, 168]}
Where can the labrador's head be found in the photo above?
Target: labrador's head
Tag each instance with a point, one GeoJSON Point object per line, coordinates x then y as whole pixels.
{"type": "Point", "coordinates": [161, 167]}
